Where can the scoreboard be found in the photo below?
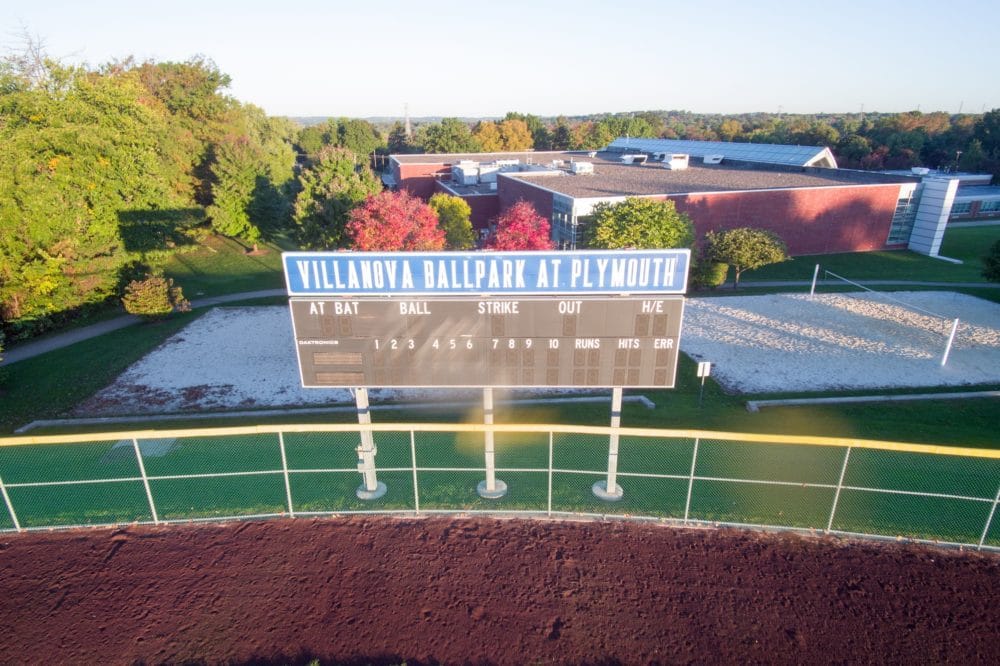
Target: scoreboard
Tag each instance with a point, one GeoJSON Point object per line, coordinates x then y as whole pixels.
{"type": "Point", "coordinates": [499, 341]}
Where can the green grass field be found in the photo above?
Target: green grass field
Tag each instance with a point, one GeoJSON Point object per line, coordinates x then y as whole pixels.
{"type": "Point", "coordinates": [968, 244]}
{"type": "Point", "coordinates": [736, 482]}
{"type": "Point", "coordinates": [223, 266]}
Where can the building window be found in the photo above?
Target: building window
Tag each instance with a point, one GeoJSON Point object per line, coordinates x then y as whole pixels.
{"type": "Point", "coordinates": [961, 208]}
{"type": "Point", "coordinates": [563, 229]}
{"type": "Point", "coordinates": [989, 207]}
{"type": "Point", "coordinates": [904, 217]}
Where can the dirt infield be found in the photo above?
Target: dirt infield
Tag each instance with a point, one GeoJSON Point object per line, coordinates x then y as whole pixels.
{"type": "Point", "coordinates": [451, 590]}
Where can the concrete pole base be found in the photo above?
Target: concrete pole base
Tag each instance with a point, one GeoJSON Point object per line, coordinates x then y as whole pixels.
{"type": "Point", "coordinates": [498, 491]}
{"type": "Point", "coordinates": [363, 493]}
{"type": "Point", "coordinates": [600, 490]}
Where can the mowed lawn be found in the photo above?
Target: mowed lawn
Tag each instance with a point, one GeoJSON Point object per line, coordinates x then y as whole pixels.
{"type": "Point", "coordinates": [966, 244]}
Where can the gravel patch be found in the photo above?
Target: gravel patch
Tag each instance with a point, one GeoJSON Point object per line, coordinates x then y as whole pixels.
{"type": "Point", "coordinates": [235, 358]}
{"type": "Point", "coordinates": [794, 342]}
{"type": "Point", "coordinates": [240, 358]}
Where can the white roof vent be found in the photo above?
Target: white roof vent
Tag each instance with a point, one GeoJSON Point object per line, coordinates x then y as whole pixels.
{"type": "Point", "coordinates": [920, 171]}
{"type": "Point", "coordinates": [676, 162]}
{"type": "Point", "coordinates": [713, 159]}
{"type": "Point", "coordinates": [581, 167]}
{"type": "Point", "coordinates": [634, 159]}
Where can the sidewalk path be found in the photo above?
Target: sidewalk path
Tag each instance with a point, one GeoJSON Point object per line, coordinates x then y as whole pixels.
{"type": "Point", "coordinates": [60, 340]}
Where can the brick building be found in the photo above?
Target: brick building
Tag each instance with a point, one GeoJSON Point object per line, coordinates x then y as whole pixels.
{"type": "Point", "coordinates": [795, 191]}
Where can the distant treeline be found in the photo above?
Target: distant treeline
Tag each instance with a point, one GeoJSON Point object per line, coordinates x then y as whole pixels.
{"type": "Point", "coordinates": [968, 142]}
{"type": "Point", "coordinates": [108, 171]}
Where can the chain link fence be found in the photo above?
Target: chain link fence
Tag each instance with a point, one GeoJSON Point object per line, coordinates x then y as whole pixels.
{"type": "Point", "coordinates": [865, 488]}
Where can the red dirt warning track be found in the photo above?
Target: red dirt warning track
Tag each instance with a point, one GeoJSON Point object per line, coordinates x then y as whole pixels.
{"type": "Point", "coordinates": [452, 590]}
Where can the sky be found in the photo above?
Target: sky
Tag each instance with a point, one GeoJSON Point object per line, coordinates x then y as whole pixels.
{"type": "Point", "coordinates": [547, 57]}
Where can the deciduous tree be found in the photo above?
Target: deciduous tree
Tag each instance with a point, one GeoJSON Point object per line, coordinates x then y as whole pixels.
{"type": "Point", "coordinates": [79, 149]}
{"type": "Point", "coordinates": [745, 248]}
{"type": "Point", "coordinates": [398, 141]}
{"type": "Point", "coordinates": [333, 186]}
{"type": "Point", "coordinates": [391, 221]}
{"type": "Point", "coordinates": [515, 135]}
{"type": "Point", "coordinates": [453, 215]}
{"type": "Point", "coordinates": [451, 135]}
{"type": "Point", "coordinates": [488, 135]}
{"type": "Point", "coordinates": [520, 227]}
{"type": "Point", "coordinates": [639, 223]}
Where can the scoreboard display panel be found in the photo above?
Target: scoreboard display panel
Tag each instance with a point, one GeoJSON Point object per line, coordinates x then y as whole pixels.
{"type": "Point", "coordinates": [451, 341]}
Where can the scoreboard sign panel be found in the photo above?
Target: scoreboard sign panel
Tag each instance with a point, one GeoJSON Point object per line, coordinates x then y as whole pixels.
{"type": "Point", "coordinates": [574, 341]}
{"type": "Point", "coordinates": [477, 273]}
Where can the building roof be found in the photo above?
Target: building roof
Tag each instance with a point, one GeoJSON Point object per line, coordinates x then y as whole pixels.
{"type": "Point", "coordinates": [611, 178]}
{"type": "Point", "coordinates": [526, 157]}
{"type": "Point", "coordinates": [980, 193]}
{"type": "Point", "coordinates": [767, 153]}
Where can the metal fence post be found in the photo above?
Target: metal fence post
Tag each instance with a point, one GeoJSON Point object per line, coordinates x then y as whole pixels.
{"type": "Point", "coordinates": [550, 475]}
{"type": "Point", "coordinates": [989, 520]}
{"type": "Point", "coordinates": [491, 488]}
{"type": "Point", "coordinates": [413, 459]}
{"type": "Point", "coordinates": [694, 461]}
{"type": "Point", "coordinates": [812, 289]}
{"type": "Point", "coordinates": [10, 507]}
{"type": "Point", "coordinates": [370, 488]}
{"type": "Point", "coordinates": [609, 490]}
{"type": "Point", "coordinates": [145, 481]}
{"type": "Point", "coordinates": [284, 469]}
{"type": "Point", "coordinates": [951, 341]}
{"type": "Point", "coordinates": [840, 484]}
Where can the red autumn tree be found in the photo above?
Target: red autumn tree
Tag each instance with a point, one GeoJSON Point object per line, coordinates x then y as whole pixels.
{"type": "Point", "coordinates": [390, 221]}
{"type": "Point", "coordinates": [520, 228]}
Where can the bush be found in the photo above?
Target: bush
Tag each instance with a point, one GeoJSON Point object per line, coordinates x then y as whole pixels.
{"type": "Point", "coordinates": [708, 274]}
{"type": "Point", "coordinates": [154, 297]}
{"type": "Point", "coordinates": [991, 263]}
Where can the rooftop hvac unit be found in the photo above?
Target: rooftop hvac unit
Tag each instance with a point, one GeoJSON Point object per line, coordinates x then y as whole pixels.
{"type": "Point", "coordinates": [676, 162]}
{"type": "Point", "coordinates": [493, 186]}
{"type": "Point", "coordinates": [581, 167]}
{"type": "Point", "coordinates": [635, 159]}
{"type": "Point", "coordinates": [592, 154]}
{"type": "Point", "coordinates": [920, 171]}
{"type": "Point", "coordinates": [488, 173]}
{"type": "Point", "coordinates": [508, 165]}
{"type": "Point", "coordinates": [465, 173]}
{"type": "Point", "coordinates": [713, 159]}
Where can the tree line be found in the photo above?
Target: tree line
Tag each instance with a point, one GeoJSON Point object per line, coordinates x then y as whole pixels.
{"type": "Point", "coordinates": [110, 170]}
{"type": "Point", "coordinates": [967, 142]}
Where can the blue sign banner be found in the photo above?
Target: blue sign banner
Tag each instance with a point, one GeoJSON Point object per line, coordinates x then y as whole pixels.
{"type": "Point", "coordinates": [442, 273]}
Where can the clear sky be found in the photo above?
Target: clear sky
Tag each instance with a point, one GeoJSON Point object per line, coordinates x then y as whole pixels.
{"type": "Point", "coordinates": [363, 58]}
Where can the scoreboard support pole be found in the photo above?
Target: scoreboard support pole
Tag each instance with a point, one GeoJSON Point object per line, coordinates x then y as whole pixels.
{"type": "Point", "coordinates": [371, 488]}
{"type": "Point", "coordinates": [490, 488]}
{"type": "Point", "coordinates": [608, 489]}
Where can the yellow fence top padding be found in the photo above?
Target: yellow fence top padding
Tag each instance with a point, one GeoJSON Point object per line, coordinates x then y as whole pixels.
{"type": "Point", "coordinates": [736, 437]}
